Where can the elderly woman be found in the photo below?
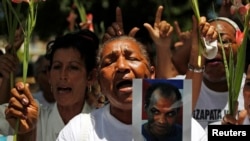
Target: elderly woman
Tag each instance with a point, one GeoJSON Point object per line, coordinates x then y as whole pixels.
{"type": "Point", "coordinates": [71, 74]}
{"type": "Point", "coordinates": [212, 103]}
{"type": "Point", "coordinates": [121, 59]}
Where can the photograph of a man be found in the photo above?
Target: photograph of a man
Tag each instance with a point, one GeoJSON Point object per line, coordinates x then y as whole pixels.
{"type": "Point", "coordinates": [162, 105]}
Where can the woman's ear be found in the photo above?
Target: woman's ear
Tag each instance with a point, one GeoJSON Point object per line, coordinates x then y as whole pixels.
{"type": "Point", "coordinates": [152, 72]}
{"type": "Point", "coordinates": [92, 77]}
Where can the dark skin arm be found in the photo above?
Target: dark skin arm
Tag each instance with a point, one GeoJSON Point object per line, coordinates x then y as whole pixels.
{"type": "Point", "coordinates": [182, 48]}
{"type": "Point", "coordinates": [8, 64]}
{"type": "Point", "coordinates": [193, 59]}
{"type": "Point", "coordinates": [161, 34]}
{"type": "Point", "coordinates": [225, 9]}
{"type": "Point", "coordinates": [209, 32]}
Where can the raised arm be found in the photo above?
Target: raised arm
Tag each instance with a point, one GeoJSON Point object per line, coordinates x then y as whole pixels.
{"type": "Point", "coordinates": [225, 9]}
{"type": "Point", "coordinates": [182, 49]}
{"type": "Point", "coordinates": [8, 64]}
{"type": "Point", "coordinates": [195, 70]}
{"type": "Point", "coordinates": [161, 34]}
{"type": "Point", "coordinates": [116, 29]}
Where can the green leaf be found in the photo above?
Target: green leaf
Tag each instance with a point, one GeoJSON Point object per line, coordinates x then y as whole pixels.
{"type": "Point", "coordinates": [81, 9]}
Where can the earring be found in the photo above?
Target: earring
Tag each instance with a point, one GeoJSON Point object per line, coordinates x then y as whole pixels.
{"type": "Point", "coordinates": [90, 88]}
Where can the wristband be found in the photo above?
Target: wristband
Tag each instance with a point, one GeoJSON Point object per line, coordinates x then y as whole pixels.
{"type": "Point", "coordinates": [196, 70]}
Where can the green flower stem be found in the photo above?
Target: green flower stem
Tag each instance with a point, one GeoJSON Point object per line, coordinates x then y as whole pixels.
{"type": "Point", "coordinates": [16, 129]}
{"type": "Point", "coordinates": [29, 27]}
{"type": "Point", "coordinates": [81, 10]}
{"type": "Point", "coordinates": [195, 7]}
{"type": "Point", "coordinates": [12, 21]}
{"type": "Point", "coordinates": [239, 69]}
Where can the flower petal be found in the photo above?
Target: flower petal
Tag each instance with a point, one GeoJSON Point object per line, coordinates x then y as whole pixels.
{"type": "Point", "coordinates": [233, 9]}
{"type": "Point", "coordinates": [20, 1]}
{"type": "Point", "coordinates": [239, 37]}
{"type": "Point", "coordinates": [242, 10]}
{"type": "Point", "coordinates": [247, 6]}
{"type": "Point", "coordinates": [17, 1]}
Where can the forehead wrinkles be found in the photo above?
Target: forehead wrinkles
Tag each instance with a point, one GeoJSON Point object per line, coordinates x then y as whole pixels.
{"type": "Point", "coordinates": [123, 47]}
{"type": "Point", "coordinates": [122, 42]}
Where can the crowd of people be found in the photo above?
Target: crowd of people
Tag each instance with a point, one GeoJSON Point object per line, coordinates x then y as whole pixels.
{"type": "Point", "coordinates": [86, 89]}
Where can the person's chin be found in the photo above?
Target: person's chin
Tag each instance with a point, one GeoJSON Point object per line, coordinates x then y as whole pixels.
{"type": "Point", "coordinates": [159, 131]}
{"type": "Point", "coordinates": [127, 104]}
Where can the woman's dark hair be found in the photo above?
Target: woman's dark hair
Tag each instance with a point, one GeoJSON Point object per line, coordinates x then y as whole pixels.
{"type": "Point", "coordinates": [84, 41]}
{"type": "Point", "coordinates": [167, 91]}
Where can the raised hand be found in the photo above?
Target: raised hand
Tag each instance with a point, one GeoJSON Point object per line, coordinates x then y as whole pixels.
{"type": "Point", "coordinates": [206, 30]}
{"type": "Point", "coordinates": [182, 48]}
{"type": "Point", "coordinates": [203, 28]}
{"type": "Point", "coordinates": [225, 9]}
{"type": "Point", "coordinates": [229, 119]}
{"type": "Point", "coordinates": [161, 34]}
{"type": "Point", "coordinates": [184, 37]}
{"type": "Point", "coordinates": [116, 29]}
{"type": "Point", "coordinates": [23, 107]}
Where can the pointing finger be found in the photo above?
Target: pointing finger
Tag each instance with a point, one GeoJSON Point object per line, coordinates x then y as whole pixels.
{"type": "Point", "coordinates": [119, 17]}
{"type": "Point", "coordinates": [158, 14]}
{"type": "Point", "coordinates": [177, 28]}
{"type": "Point", "coordinates": [133, 31]}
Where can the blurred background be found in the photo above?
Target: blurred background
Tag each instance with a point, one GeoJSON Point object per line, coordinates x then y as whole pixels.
{"type": "Point", "coordinates": [57, 17]}
{"type": "Point", "coordinates": [54, 17]}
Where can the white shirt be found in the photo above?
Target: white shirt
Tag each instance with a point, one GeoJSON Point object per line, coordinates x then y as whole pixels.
{"type": "Point", "coordinates": [49, 123]}
{"type": "Point", "coordinates": [39, 96]}
{"type": "Point", "coordinates": [212, 106]}
{"type": "Point", "coordinates": [100, 125]}
{"type": "Point", "coordinates": [3, 123]}
{"type": "Point", "coordinates": [197, 132]}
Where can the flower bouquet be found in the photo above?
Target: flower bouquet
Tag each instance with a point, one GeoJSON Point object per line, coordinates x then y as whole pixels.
{"type": "Point", "coordinates": [235, 70]}
{"type": "Point", "coordinates": [12, 11]}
